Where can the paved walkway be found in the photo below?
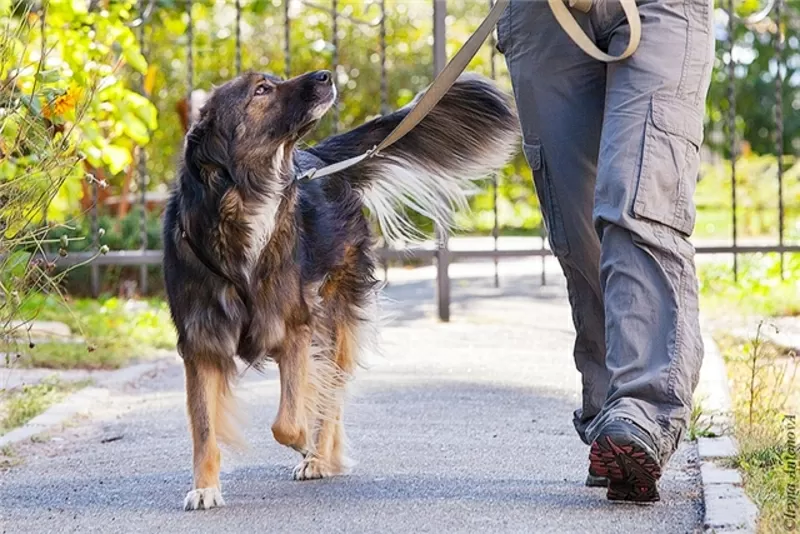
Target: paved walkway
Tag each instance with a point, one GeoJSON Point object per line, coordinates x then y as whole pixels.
{"type": "Point", "coordinates": [460, 427]}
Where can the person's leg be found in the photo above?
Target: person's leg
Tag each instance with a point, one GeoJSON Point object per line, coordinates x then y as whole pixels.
{"type": "Point", "coordinates": [560, 94]}
{"type": "Point", "coordinates": [644, 213]}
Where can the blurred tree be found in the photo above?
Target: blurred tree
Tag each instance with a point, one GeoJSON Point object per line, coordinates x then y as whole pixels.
{"type": "Point", "coordinates": [756, 66]}
{"type": "Point", "coordinates": [63, 77]}
{"type": "Point", "coordinates": [101, 43]}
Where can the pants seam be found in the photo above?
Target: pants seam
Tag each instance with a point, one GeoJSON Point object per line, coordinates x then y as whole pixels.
{"type": "Point", "coordinates": [679, 338]}
{"type": "Point", "coordinates": [687, 51]}
{"type": "Point", "coordinates": [699, 98]}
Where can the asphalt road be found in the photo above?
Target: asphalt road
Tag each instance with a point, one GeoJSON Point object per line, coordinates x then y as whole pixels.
{"type": "Point", "coordinates": [460, 427]}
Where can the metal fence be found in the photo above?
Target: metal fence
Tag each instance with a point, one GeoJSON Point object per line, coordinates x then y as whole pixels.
{"type": "Point", "coordinates": [442, 256]}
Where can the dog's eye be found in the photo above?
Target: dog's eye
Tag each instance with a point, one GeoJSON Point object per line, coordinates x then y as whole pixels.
{"type": "Point", "coordinates": [263, 89]}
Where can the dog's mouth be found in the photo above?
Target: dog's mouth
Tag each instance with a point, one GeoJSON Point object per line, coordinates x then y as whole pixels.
{"type": "Point", "coordinates": [322, 95]}
{"type": "Point", "coordinates": [326, 100]}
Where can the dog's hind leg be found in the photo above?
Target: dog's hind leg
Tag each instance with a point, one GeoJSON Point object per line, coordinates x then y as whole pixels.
{"type": "Point", "coordinates": [208, 398]}
{"type": "Point", "coordinates": [329, 381]}
{"type": "Point", "coordinates": [291, 424]}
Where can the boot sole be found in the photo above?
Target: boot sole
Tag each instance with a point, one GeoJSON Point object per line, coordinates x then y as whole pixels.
{"type": "Point", "coordinates": [631, 469]}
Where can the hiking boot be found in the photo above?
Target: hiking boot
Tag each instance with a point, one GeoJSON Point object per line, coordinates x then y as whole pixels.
{"type": "Point", "coordinates": [596, 482]}
{"type": "Point", "coordinates": [627, 456]}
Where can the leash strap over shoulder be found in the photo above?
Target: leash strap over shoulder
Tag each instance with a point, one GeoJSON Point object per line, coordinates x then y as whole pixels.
{"type": "Point", "coordinates": [576, 33]}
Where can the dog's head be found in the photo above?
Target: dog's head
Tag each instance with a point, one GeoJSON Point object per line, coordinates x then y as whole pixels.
{"type": "Point", "coordinates": [256, 118]}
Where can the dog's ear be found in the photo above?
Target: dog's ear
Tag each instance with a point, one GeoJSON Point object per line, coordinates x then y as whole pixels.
{"type": "Point", "coordinates": [207, 147]}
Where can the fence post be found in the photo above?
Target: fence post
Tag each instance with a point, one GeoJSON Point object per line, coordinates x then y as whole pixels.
{"type": "Point", "coordinates": [734, 148]}
{"type": "Point", "coordinates": [779, 53]}
{"type": "Point", "coordinates": [142, 163]}
{"type": "Point", "coordinates": [442, 252]}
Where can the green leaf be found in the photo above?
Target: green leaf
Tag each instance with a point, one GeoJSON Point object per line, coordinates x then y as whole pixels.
{"type": "Point", "coordinates": [143, 108]}
{"type": "Point", "coordinates": [48, 76]}
{"type": "Point", "coordinates": [17, 264]}
{"type": "Point", "coordinates": [50, 93]}
{"type": "Point", "coordinates": [134, 128]}
{"type": "Point", "coordinates": [174, 25]}
{"type": "Point", "coordinates": [32, 104]}
{"type": "Point", "coordinates": [106, 83]}
{"type": "Point", "coordinates": [116, 157]}
{"type": "Point", "coordinates": [9, 128]}
{"type": "Point", "coordinates": [135, 59]}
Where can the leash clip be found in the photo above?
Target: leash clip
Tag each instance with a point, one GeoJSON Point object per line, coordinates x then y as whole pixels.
{"type": "Point", "coordinates": [309, 174]}
{"type": "Point", "coordinates": [342, 165]}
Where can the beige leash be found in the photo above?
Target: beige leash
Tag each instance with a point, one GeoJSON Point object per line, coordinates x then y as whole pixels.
{"type": "Point", "coordinates": [570, 25]}
{"type": "Point", "coordinates": [447, 77]}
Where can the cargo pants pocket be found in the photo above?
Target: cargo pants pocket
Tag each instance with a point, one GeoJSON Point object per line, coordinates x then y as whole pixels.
{"type": "Point", "coordinates": [548, 199]}
{"type": "Point", "coordinates": [670, 164]}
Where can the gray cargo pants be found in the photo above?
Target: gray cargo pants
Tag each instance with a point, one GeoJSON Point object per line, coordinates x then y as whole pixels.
{"type": "Point", "coordinates": [615, 155]}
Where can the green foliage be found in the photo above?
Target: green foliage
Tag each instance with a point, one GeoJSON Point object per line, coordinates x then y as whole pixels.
{"type": "Point", "coordinates": [758, 291]}
{"type": "Point", "coordinates": [756, 195]}
{"type": "Point", "coordinates": [65, 106]}
{"type": "Point", "coordinates": [766, 378]}
{"type": "Point", "coordinates": [754, 82]}
{"type": "Point", "coordinates": [763, 380]}
{"type": "Point", "coordinates": [36, 158]}
{"type": "Point", "coordinates": [115, 331]}
{"type": "Point", "coordinates": [19, 407]}
{"type": "Point", "coordinates": [64, 81]}
{"type": "Point", "coordinates": [700, 426]}
{"type": "Point", "coordinates": [117, 233]}
{"type": "Point", "coordinates": [60, 355]}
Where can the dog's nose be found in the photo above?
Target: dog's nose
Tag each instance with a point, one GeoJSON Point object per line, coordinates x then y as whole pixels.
{"type": "Point", "coordinates": [322, 76]}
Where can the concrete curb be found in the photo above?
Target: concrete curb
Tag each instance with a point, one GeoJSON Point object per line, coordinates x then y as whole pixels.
{"type": "Point", "coordinates": [727, 506]}
{"type": "Point", "coordinates": [81, 402]}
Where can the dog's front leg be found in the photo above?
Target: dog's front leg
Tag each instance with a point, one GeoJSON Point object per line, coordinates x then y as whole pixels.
{"type": "Point", "coordinates": [291, 425]}
{"type": "Point", "coordinates": [205, 386]}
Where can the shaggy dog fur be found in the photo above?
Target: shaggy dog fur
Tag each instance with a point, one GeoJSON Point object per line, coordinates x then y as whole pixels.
{"type": "Point", "coordinates": [262, 266]}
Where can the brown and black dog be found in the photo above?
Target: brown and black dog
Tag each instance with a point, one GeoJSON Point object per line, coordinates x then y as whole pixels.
{"type": "Point", "coordinates": [262, 266]}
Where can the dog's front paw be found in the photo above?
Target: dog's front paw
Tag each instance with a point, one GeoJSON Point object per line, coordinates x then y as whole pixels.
{"type": "Point", "coordinates": [204, 498]}
{"type": "Point", "coordinates": [313, 467]}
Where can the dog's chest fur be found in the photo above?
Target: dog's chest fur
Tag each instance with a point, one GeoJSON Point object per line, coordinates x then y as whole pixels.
{"type": "Point", "coordinates": [261, 221]}
{"type": "Point", "coordinates": [261, 216]}
{"type": "Point", "coordinates": [269, 269]}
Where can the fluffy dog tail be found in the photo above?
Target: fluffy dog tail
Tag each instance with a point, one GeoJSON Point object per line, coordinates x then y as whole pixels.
{"type": "Point", "coordinates": [471, 132]}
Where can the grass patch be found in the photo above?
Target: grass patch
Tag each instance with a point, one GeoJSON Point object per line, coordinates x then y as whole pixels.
{"type": "Point", "coordinates": [116, 332]}
{"type": "Point", "coordinates": [700, 425]}
{"type": "Point", "coordinates": [764, 390]}
{"type": "Point", "coordinates": [56, 355]}
{"type": "Point", "coordinates": [758, 291]}
{"type": "Point", "coordinates": [17, 407]}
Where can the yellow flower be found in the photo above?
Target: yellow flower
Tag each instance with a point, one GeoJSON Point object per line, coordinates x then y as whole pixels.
{"type": "Point", "coordinates": [63, 103]}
